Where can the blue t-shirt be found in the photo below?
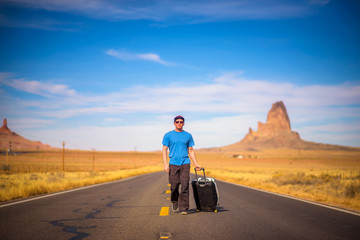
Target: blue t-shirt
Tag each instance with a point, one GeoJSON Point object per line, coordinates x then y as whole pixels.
{"type": "Point", "coordinates": [178, 144]}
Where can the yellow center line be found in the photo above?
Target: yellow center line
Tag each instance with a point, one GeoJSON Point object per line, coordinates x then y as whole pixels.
{"type": "Point", "coordinates": [165, 235]}
{"type": "Point", "coordinates": [164, 211]}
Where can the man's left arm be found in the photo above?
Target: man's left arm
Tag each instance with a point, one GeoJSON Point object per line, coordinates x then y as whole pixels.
{"type": "Point", "coordinates": [193, 158]}
{"type": "Point", "coordinates": [164, 154]}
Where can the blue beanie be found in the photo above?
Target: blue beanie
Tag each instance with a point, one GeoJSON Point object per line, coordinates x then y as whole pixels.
{"type": "Point", "coordinates": [179, 117]}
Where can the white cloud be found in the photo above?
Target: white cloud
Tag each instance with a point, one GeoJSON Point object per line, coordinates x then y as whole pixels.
{"type": "Point", "coordinates": [114, 120]}
{"type": "Point", "coordinates": [126, 56]}
{"type": "Point", "coordinates": [226, 94]}
{"type": "Point", "coordinates": [334, 128]}
{"type": "Point", "coordinates": [26, 123]}
{"type": "Point", "coordinates": [336, 133]}
{"type": "Point", "coordinates": [147, 136]}
{"type": "Point", "coordinates": [221, 131]}
{"type": "Point", "coordinates": [219, 112]}
{"type": "Point", "coordinates": [152, 57]}
{"type": "Point", "coordinates": [36, 87]}
{"type": "Point", "coordinates": [120, 55]}
{"type": "Point", "coordinates": [120, 138]}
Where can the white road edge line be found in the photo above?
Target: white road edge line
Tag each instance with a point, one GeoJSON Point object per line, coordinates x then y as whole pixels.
{"type": "Point", "coordinates": [66, 191]}
{"type": "Point", "coordinates": [298, 199]}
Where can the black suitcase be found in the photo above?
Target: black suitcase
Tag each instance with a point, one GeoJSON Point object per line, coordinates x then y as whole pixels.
{"type": "Point", "coordinates": [205, 193]}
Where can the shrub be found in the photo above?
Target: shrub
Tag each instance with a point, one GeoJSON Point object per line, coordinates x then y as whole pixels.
{"type": "Point", "coordinates": [6, 167]}
{"type": "Point", "coordinates": [294, 179]}
{"type": "Point", "coordinates": [352, 190]}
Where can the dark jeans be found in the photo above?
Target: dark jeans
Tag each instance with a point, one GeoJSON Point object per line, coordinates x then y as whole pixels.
{"type": "Point", "coordinates": [180, 175]}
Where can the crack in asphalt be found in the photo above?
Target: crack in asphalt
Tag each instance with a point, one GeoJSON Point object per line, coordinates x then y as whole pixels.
{"type": "Point", "coordinates": [79, 230]}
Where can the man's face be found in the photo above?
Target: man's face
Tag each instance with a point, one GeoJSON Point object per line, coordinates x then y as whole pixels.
{"type": "Point", "coordinates": [179, 123]}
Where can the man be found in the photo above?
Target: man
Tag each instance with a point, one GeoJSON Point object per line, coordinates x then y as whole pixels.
{"type": "Point", "coordinates": [180, 143]}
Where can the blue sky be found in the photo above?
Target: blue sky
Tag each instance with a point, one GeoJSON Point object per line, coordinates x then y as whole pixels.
{"type": "Point", "coordinates": [111, 75]}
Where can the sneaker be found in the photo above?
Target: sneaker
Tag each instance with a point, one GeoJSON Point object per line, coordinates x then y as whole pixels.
{"type": "Point", "coordinates": [183, 213]}
{"type": "Point", "coordinates": [174, 206]}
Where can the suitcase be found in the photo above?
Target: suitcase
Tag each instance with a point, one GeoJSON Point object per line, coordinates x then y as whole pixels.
{"type": "Point", "coordinates": [206, 194]}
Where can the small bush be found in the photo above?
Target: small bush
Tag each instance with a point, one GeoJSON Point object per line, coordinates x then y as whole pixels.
{"type": "Point", "coordinates": [294, 179]}
{"type": "Point", "coordinates": [6, 167]}
{"type": "Point", "coordinates": [325, 177]}
{"type": "Point", "coordinates": [34, 177]}
{"type": "Point", "coordinates": [304, 179]}
{"type": "Point", "coordinates": [352, 190]}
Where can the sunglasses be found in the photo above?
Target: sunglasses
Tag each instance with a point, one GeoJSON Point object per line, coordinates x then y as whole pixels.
{"type": "Point", "coordinates": [179, 122]}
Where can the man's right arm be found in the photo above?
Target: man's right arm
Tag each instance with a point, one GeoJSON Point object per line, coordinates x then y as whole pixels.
{"type": "Point", "coordinates": [164, 154]}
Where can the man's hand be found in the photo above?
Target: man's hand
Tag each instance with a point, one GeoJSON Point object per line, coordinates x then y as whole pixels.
{"type": "Point", "coordinates": [166, 168]}
{"type": "Point", "coordinates": [197, 167]}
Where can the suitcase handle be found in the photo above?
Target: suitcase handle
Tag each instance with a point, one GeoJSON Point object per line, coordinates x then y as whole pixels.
{"type": "Point", "coordinates": [203, 169]}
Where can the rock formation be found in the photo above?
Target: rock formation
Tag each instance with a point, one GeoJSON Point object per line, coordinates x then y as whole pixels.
{"type": "Point", "coordinates": [15, 142]}
{"type": "Point", "coordinates": [277, 120]}
{"type": "Point", "coordinates": [276, 133]}
{"type": "Point", "coordinates": [4, 127]}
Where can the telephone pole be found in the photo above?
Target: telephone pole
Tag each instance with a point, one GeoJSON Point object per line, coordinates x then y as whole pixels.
{"type": "Point", "coordinates": [10, 146]}
{"type": "Point", "coordinates": [93, 166]}
{"type": "Point", "coordinates": [7, 156]}
{"type": "Point", "coordinates": [63, 156]}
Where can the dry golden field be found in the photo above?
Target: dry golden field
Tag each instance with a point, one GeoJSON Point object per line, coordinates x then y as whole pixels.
{"type": "Point", "coordinates": [330, 177]}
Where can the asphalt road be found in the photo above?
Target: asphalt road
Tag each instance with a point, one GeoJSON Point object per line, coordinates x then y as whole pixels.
{"type": "Point", "coordinates": [130, 209]}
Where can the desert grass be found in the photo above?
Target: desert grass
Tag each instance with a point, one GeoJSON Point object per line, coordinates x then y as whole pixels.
{"type": "Point", "coordinates": [34, 173]}
{"type": "Point", "coordinates": [329, 177]}
{"type": "Point", "coordinates": [20, 185]}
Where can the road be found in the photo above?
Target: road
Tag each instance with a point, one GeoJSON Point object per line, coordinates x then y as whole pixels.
{"type": "Point", "coordinates": [130, 209]}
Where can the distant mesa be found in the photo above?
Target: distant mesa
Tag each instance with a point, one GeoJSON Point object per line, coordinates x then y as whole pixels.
{"type": "Point", "coordinates": [276, 133]}
{"type": "Point", "coordinates": [15, 142]}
